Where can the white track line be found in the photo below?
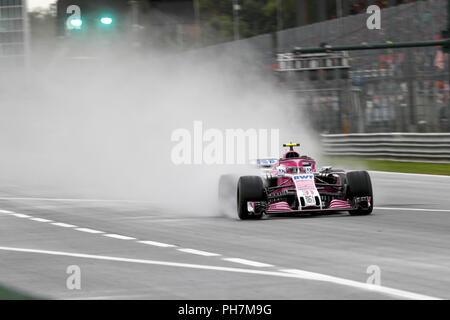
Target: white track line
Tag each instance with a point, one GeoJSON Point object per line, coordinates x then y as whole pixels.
{"type": "Point", "coordinates": [20, 215]}
{"type": "Point", "coordinates": [411, 174]}
{"type": "Point", "coordinates": [158, 244]}
{"type": "Point", "coordinates": [199, 252]}
{"type": "Point", "coordinates": [116, 297]}
{"type": "Point", "coordinates": [89, 230]}
{"type": "Point", "coordinates": [356, 284]}
{"type": "Point", "coordinates": [41, 220]}
{"type": "Point", "coordinates": [118, 236]}
{"type": "Point", "coordinates": [248, 262]}
{"type": "Point", "coordinates": [289, 273]}
{"type": "Point", "coordinates": [73, 199]}
{"type": "Point", "coordinates": [6, 211]}
{"type": "Point", "coordinates": [412, 209]}
{"type": "Point", "coordinates": [64, 225]}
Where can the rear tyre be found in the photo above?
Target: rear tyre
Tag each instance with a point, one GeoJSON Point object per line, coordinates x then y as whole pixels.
{"type": "Point", "coordinates": [359, 185]}
{"type": "Point", "coordinates": [250, 188]}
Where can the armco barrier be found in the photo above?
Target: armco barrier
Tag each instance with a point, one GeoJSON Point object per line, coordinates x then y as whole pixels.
{"type": "Point", "coordinates": [430, 147]}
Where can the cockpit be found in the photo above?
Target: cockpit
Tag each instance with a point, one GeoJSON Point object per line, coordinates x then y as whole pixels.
{"type": "Point", "coordinates": [292, 169]}
{"type": "Point", "coordinates": [294, 163]}
{"type": "Point", "coordinates": [299, 168]}
{"type": "Point", "coordinates": [291, 155]}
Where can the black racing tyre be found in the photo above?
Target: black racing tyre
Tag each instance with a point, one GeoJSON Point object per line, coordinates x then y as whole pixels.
{"type": "Point", "coordinates": [250, 188]}
{"type": "Point", "coordinates": [359, 185]}
{"type": "Point", "coordinates": [227, 194]}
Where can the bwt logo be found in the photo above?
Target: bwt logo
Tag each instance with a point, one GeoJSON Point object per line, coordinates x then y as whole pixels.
{"type": "Point", "coordinates": [304, 177]}
{"type": "Point", "coordinates": [229, 146]}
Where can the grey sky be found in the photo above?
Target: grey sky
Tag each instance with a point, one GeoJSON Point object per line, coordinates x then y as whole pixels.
{"type": "Point", "coordinates": [39, 3]}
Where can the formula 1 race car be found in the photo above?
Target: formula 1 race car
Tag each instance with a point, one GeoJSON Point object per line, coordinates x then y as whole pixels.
{"type": "Point", "coordinates": [291, 185]}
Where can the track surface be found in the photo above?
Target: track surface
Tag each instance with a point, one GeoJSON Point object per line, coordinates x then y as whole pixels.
{"type": "Point", "coordinates": [407, 237]}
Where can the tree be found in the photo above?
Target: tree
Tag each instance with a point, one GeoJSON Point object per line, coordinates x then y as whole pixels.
{"type": "Point", "coordinates": [42, 24]}
{"type": "Point", "coordinates": [255, 17]}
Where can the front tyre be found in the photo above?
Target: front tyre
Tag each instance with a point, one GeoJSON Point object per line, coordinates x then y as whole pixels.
{"type": "Point", "coordinates": [360, 185]}
{"type": "Point", "coordinates": [250, 188]}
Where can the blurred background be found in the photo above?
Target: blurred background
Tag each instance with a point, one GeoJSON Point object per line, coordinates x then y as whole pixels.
{"type": "Point", "coordinates": [401, 93]}
{"type": "Point", "coordinates": [401, 90]}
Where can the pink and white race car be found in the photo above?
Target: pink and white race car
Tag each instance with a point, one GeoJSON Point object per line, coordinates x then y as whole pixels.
{"type": "Point", "coordinates": [291, 185]}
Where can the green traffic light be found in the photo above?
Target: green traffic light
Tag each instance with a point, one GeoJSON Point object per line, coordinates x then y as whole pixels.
{"type": "Point", "coordinates": [106, 20]}
{"type": "Point", "coordinates": [76, 23]}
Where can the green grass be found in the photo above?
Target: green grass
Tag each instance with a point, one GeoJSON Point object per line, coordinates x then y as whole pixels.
{"type": "Point", "coordinates": [386, 165]}
{"type": "Point", "coordinates": [10, 294]}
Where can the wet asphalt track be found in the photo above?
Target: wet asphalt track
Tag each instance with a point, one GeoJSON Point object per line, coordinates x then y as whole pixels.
{"type": "Point", "coordinates": [321, 257]}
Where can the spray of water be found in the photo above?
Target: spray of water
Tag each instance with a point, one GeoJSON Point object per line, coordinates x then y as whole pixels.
{"type": "Point", "coordinates": [100, 125]}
